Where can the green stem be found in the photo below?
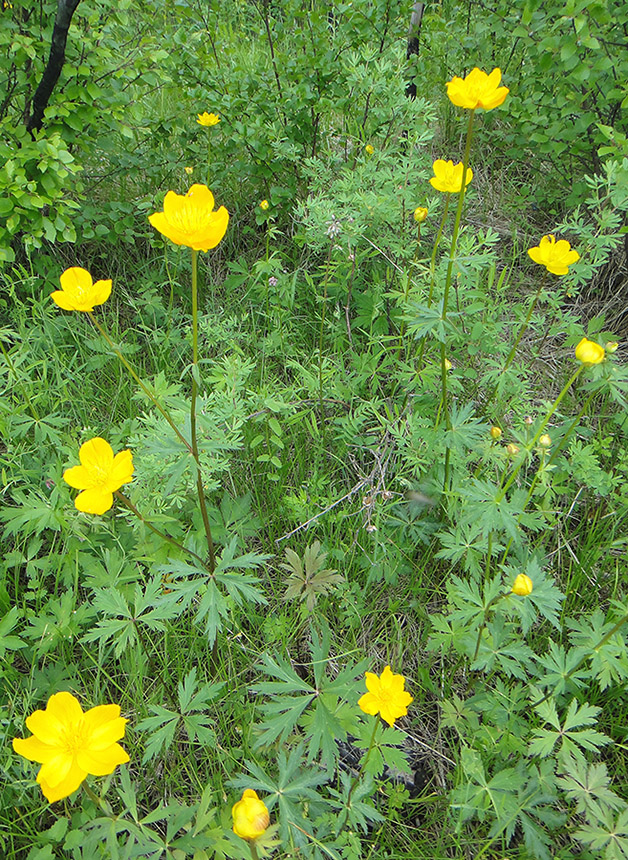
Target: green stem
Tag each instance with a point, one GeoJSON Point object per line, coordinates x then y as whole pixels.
{"type": "Point", "coordinates": [433, 274]}
{"type": "Point", "coordinates": [29, 402]}
{"type": "Point", "coordinates": [539, 432]}
{"type": "Point", "coordinates": [134, 375]}
{"type": "Point", "coordinates": [208, 154]}
{"type": "Point", "coordinates": [199, 477]}
{"type": "Point", "coordinates": [522, 331]}
{"type": "Point", "coordinates": [448, 279]}
{"type": "Point", "coordinates": [253, 850]}
{"type": "Point", "coordinates": [357, 778]}
{"type": "Point", "coordinates": [320, 339]}
{"type": "Point", "coordinates": [553, 457]}
{"type": "Point", "coordinates": [129, 504]}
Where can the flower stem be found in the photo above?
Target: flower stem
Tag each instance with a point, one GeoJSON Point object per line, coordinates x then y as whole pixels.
{"type": "Point", "coordinates": [320, 339]}
{"type": "Point", "coordinates": [199, 477]}
{"type": "Point", "coordinates": [539, 432]}
{"type": "Point", "coordinates": [448, 279]}
{"type": "Point", "coordinates": [433, 275]}
{"type": "Point", "coordinates": [522, 331]}
{"type": "Point", "coordinates": [144, 388]}
{"type": "Point", "coordinates": [129, 504]}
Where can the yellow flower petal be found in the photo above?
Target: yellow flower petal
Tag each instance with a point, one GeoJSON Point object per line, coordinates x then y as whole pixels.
{"type": "Point", "coordinates": [45, 727]}
{"type": "Point", "coordinates": [54, 772]}
{"type": "Point", "coordinates": [386, 696]}
{"type": "Point", "coordinates": [94, 501]}
{"type": "Point", "coordinates": [96, 454]}
{"type": "Point", "coordinates": [121, 470]}
{"type": "Point", "coordinates": [64, 788]}
{"type": "Point", "coordinates": [102, 762]}
{"type": "Point", "coordinates": [477, 90]}
{"type": "Point", "coordinates": [78, 477]}
{"type": "Point", "coordinates": [590, 353]}
{"type": "Point", "coordinates": [33, 749]}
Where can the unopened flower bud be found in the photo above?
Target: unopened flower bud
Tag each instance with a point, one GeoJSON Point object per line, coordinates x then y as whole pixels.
{"type": "Point", "coordinates": [369, 149]}
{"type": "Point", "coordinates": [448, 364]}
{"type": "Point", "coordinates": [496, 432]}
{"type": "Point", "coordinates": [589, 352]}
{"type": "Point", "coordinates": [264, 205]}
{"type": "Point", "coordinates": [528, 420]}
{"type": "Point", "coordinates": [250, 816]}
{"type": "Point", "coordinates": [611, 346]}
{"type": "Point", "coordinates": [522, 585]}
{"type": "Point", "coordinates": [371, 528]}
{"type": "Point", "coordinates": [512, 449]}
{"type": "Point", "coordinates": [420, 214]}
{"type": "Point", "coordinates": [189, 170]}
{"type": "Point", "coordinates": [545, 440]}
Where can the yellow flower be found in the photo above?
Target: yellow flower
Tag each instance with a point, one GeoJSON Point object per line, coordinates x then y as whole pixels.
{"type": "Point", "coordinates": [78, 292]}
{"type": "Point", "coordinates": [189, 219]}
{"type": "Point", "coordinates": [545, 440]}
{"type": "Point", "coordinates": [264, 205]}
{"type": "Point", "coordinates": [477, 90]}
{"type": "Point", "coordinates": [250, 816]}
{"type": "Point", "coordinates": [99, 475]}
{"type": "Point", "coordinates": [386, 696]}
{"type": "Point", "coordinates": [448, 176]}
{"type": "Point", "coordinates": [189, 170]}
{"type": "Point", "coordinates": [420, 214]}
{"type": "Point", "coordinates": [448, 364]}
{"type": "Point", "coordinates": [208, 119]}
{"type": "Point", "coordinates": [369, 149]}
{"type": "Point", "coordinates": [522, 585]}
{"type": "Point", "coordinates": [589, 352]}
{"type": "Point", "coordinates": [71, 744]}
{"type": "Point", "coordinates": [555, 256]}
{"type": "Point", "coordinates": [496, 432]}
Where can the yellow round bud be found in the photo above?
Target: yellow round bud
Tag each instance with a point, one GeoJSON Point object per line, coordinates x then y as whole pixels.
{"type": "Point", "coordinates": [264, 205]}
{"type": "Point", "coordinates": [250, 816]}
{"type": "Point", "coordinates": [522, 585]}
{"type": "Point", "coordinates": [496, 432]}
{"type": "Point", "coordinates": [189, 170]}
{"type": "Point", "coordinates": [512, 449]}
{"type": "Point", "coordinates": [420, 214]}
{"type": "Point", "coordinates": [545, 440]}
{"type": "Point", "coordinates": [589, 352]}
{"type": "Point", "coordinates": [611, 347]}
{"type": "Point", "coordinates": [448, 364]}
{"type": "Point", "coordinates": [369, 149]}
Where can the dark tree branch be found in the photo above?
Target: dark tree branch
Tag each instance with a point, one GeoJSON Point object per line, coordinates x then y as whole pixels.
{"type": "Point", "coordinates": [412, 50]}
{"type": "Point", "coordinates": [65, 10]}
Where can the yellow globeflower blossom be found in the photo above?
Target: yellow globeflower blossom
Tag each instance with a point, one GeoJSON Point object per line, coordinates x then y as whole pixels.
{"type": "Point", "coordinates": [99, 475]}
{"type": "Point", "coordinates": [189, 219]}
{"type": "Point", "coordinates": [208, 119]}
{"type": "Point", "coordinates": [448, 176]}
{"type": "Point", "coordinates": [78, 292]}
{"type": "Point", "coordinates": [369, 149]}
{"type": "Point", "coordinates": [545, 441]}
{"type": "Point", "coordinates": [71, 744]}
{"type": "Point", "coordinates": [264, 204]}
{"type": "Point", "coordinates": [189, 170]}
{"type": "Point", "coordinates": [555, 256]}
{"type": "Point", "coordinates": [477, 90]}
{"type": "Point", "coordinates": [386, 696]}
{"type": "Point", "coordinates": [522, 585]}
{"type": "Point", "coordinates": [496, 432]}
{"type": "Point", "coordinates": [420, 214]}
{"type": "Point", "coordinates": [250, 816]}
{"type": "Point", "coordinates": [589, 352]}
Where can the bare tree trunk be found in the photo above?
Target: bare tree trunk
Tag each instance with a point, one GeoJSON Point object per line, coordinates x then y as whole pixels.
{"type": "Point", "coordinates": [65, 10]}
{"type": "Point", "coordinates": [413, 43]}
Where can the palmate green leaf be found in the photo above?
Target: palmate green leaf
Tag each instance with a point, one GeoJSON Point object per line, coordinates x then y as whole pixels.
{"type": "Point", "coordinates": [609, 661]}
{"type": "Point", "coordinates": [608, 834]}
{"type": "Point", "coordinates": [577, 716]}
{"type": "Point", "coordinates": [502, 648]}
{"type": "Point", "coordinates": [561, 674]}
{"type": "Point", "coordinates": [588, 784]}
{"type": "Point", "coordinates": [34, 515]}
{"type": "Point", "coordinates": [361, 813]}
{"type": "Point", "coordinates": [120, 626]}
{"type": "Point", "coordinates": [250, 560]}
{"type": "Point", "coordinates": [465, 430]}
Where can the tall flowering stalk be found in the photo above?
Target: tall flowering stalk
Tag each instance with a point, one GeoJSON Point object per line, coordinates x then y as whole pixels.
{"type": "Point", "coordinates": [476, 91]}
{"type": "Point", "coordinates": [191, 220]}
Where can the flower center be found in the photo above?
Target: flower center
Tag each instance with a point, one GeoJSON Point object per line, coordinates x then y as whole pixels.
{"type": "Point", "coordinates": [75, 738]}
